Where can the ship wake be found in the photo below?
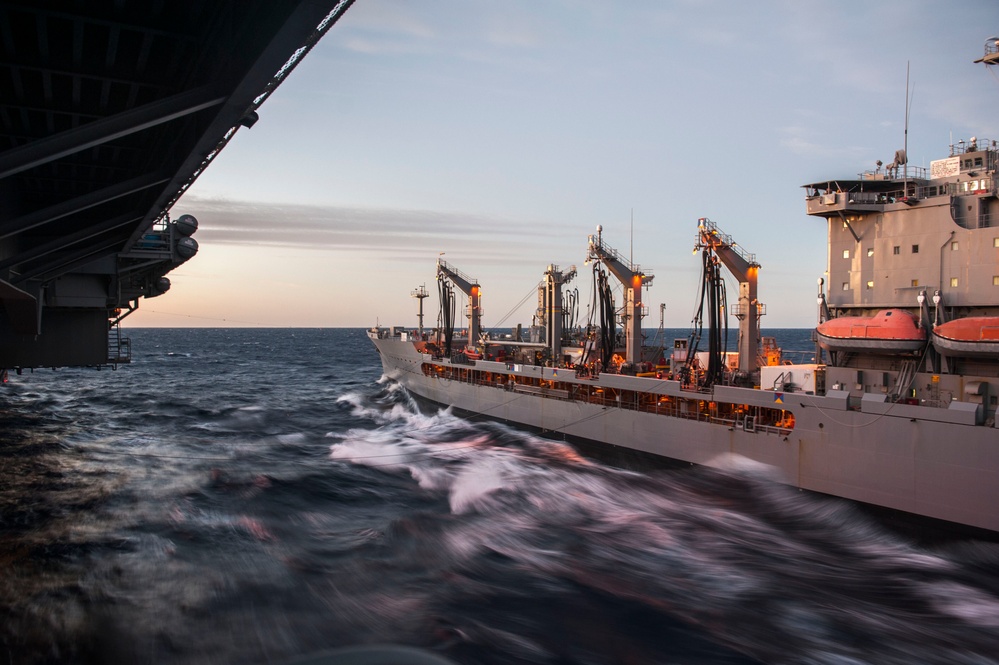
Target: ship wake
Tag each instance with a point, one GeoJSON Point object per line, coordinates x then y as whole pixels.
{"type": "Point", "coordinates": [747, 568]}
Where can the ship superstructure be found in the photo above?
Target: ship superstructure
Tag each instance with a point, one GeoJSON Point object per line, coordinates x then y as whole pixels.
{"type": "Point", "coordinates": [898, 409]}
{"type": "Point", "coordinates": [912, 301]}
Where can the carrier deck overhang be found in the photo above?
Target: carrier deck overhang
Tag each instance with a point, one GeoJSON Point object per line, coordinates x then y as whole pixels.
{"type": "Point", "coordinates": [108, 112]}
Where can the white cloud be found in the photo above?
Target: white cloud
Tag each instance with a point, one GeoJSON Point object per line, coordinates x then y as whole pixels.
{"type": "Point", "coordinates": [383, 232]}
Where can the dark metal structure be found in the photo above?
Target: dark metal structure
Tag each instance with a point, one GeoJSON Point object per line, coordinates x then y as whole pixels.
{"type": "Point", "coordinates": [109, 110]}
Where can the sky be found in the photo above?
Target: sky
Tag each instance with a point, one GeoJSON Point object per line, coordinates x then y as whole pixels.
{"type": "Point", "coordinates": [501, 134]}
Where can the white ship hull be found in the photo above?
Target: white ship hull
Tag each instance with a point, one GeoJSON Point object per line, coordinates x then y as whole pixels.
{"type": "Point", "coordinates": [929, 461]}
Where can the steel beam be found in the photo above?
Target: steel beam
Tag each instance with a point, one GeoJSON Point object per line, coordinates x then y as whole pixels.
{"type": "Point", "coordinates": [68, 262]}
{"type": "Point", "coordinates": [80, 203]}
{"type": "Point", "coordinates": [107, 129]}
{"type": "Point", "coordinates": [300, 32]}
{"type": "Point", "coordinates": [22, 309]}
{"type": "Point", "coordinates": [55, 245]}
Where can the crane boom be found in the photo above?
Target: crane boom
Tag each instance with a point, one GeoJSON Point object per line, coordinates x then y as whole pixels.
{"type": "Point", "coordinates": [550, 306]}
{"type": "Point", "coordinates": [632, 279]}
{"type": "Point", "coordinates": [470, 287]}
{"type": "Point", "coordinates": [745, 269]}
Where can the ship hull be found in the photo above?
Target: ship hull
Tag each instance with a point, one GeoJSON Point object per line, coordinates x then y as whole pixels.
{"type": "Point", "coordinates": [931, 462]}
{"type": "Point", "coordinates": [973, 337]}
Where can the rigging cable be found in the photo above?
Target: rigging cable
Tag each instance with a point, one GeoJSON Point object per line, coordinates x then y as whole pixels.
{"type": "Point", "coordinates": [687, 373]}
{"type": "Point", "coordinates": [607, 321]}
{"type": "Point", "coordinates": [570, 311]}
{"type": "Point", "coordinates": [716, 318]}
{"type": "Point", "coordinates": [714, 295]}
{"type": "Point", "coordinates": [445, 318]}
{"type": "Point", "coordinates": [520, 304]}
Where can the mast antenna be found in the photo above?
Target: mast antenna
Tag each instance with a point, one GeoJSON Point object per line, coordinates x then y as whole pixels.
{"type": "Point", "coordinates": [420, 293]}
{"type": "Point", "coordinates": [905, 138]}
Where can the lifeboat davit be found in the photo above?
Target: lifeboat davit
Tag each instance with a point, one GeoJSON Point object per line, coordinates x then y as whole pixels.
{"type": "Point", "coordinates": [888, 331]}
{"type": "Point", "coordinates": [973, 336]}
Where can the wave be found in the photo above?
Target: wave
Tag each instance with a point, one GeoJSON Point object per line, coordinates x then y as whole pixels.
{"type": "Point", "coordinates": [311, 507]}
{"type": "Point", "coordinates": [728, 551]}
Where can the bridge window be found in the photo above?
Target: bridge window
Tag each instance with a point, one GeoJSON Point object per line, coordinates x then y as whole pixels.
{"type": "Point", "coordinates": [915, 282]}
{"type": "Point", "coordinates": [870, 251]}
{"type": "Point", "coordinates": [995, 280]}
{"type": "Point", "coordinates": [846, 286]}
{"type": "Point", "coordinates": [846, 253]}
{"type": "Point", "coordinates": [953, 246]}
{"type": "Point", "coordinates": [896, 250]}
{"type": "Point", "coordinates": [953, 281]}
{"type": "Point", "coordinates": [870, 284]}
{"type": "Point", "coordinates": [915, 249]}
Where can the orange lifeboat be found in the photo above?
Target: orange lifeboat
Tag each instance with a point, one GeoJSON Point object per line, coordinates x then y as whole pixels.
{"type": "Point", "coordinates": [888, 331]}
{"type": "Point", "coordinates": [472, 353]}
{"type": "Point", "coordinates": [974, 336]}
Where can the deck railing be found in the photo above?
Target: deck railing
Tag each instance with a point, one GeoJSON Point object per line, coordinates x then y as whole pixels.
{"type": "Point", "coordinates": [686, 408]}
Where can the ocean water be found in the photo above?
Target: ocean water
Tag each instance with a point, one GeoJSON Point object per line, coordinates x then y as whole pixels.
{"type": "Point", "coordinates": [254, 496]}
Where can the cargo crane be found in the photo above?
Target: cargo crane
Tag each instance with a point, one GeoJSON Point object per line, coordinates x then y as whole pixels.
{"type": "Point", "coordinates": [632, 279]}
{"type": "Point", "coordinates": [551, 308]}
{"type": "Point", "coordinates": [470, 287]}
{"type": "Point", "coordinates": [745, 269]}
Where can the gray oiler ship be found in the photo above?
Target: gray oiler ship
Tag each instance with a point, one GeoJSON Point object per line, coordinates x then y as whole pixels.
{"type": "Point", "coordinates": [898, 410]}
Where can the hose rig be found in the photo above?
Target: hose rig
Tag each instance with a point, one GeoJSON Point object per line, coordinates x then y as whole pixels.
{"type": "Point", "coordinates": [470, 287]}
{"type": "Point", "coordinates": [632, 280]}
{"type": "Point", "coordinates": [556, 309]}
{"type": "Point", "coordinates": [744, 267]}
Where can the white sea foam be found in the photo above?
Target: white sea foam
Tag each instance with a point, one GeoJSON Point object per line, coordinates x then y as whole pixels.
{"type": "Point", "coordinates": [353, 398]}
{"type": "Point", "coordinates": [743, 465]}
{"type": "Point", "coordinates": [431, 478]}
{"type": "Point", "coordinates": [474, 483]}
{"type": "Point", "coordinates": [407, 411]}
{"type": "Point", "coordinates": [965, 603]}
{"type": "Point", "coordinates": [369, 453]}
